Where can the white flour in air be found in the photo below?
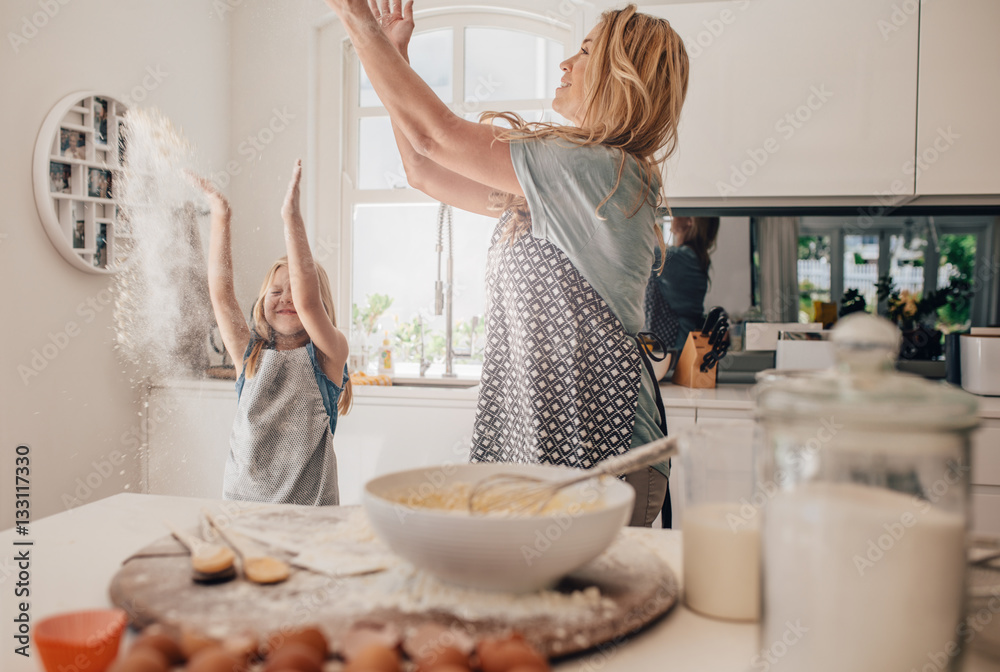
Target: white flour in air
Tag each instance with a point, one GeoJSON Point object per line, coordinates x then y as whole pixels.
{"type": "Point", "coordinates": [162, 310]}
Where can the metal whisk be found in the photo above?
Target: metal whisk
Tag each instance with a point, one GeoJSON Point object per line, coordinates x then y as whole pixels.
{"type": "Point", "coordinates": [522, 494]}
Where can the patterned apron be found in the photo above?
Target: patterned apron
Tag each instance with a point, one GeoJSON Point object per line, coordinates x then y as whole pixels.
{"type": "Point", "coordinates": [561, 375]}
{"type": "Point", "coordinates": [281, 448]}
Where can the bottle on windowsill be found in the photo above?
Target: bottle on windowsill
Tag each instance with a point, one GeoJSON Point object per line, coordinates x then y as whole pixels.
{"type": "Point", "coordinates": [386, 367]}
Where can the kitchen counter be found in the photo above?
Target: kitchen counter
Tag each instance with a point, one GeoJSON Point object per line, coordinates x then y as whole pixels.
{"type": "Point", "coordinates": [75, 554]}
{"type": "Point", "coordinates": [724, 397]}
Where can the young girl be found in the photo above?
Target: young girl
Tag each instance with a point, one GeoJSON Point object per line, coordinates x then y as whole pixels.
{"type": "Point", "coordinates": [291, 364]}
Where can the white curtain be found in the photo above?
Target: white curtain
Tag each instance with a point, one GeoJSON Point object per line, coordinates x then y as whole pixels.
{"type": "Point", "coordinates": [778, 246]}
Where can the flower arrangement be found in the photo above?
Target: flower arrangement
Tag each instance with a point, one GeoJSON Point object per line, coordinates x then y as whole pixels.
{"type": "Point", "coordinates": [909, 310]}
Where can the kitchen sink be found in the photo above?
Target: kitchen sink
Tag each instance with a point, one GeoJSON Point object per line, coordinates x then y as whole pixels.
{"type": "Point", "coordinates": [434, 381]}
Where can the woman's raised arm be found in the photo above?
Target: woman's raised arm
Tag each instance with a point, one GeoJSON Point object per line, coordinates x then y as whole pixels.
{"type": "Point", "coordinates": [423, 174]}
{"type": "Point", "coordinates": [465, 148]}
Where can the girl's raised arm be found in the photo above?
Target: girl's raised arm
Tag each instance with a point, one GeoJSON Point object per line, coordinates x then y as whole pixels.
{"type": "Point", "coordinates": [229, 317]}
{"type": "Point", "coordinates": [304, 278]}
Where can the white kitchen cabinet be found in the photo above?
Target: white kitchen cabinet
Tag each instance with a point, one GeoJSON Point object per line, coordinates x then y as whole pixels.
{"type": "Point", "coordinates": [986, 478]}
{"type": "Point", "coordinates": [791, 98]}
{"type": "Point", "coordinates": [958, 138]}
{"type": "Point", "coordinates": [678, 420]}
{"type": "Point", "coordinates": [187, 450]}
{"type": "Point", "coordinates": [400, 429]}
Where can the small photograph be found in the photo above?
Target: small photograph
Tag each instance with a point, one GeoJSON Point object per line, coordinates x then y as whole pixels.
{"type": "Point", "coordinates": [78, 236]}
{"type": "Point", "coordinates": [101, 248]}
{"type": "Point", "coordinates": [101, 120]}
{"type": "Point", "coordinates": [121, 142]}
{"type": "Point", "coordinates": [72, 144]}
{"type": "Point", "coordinates": [59, 176]}
{"type": "Point", "coordinates": [99, 183]}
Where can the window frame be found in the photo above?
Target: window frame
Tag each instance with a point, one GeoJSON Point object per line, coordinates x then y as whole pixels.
{"type": "Point", "coordinates": [336, 110]}
{"type": "Point", "coordinates": [980, 226]}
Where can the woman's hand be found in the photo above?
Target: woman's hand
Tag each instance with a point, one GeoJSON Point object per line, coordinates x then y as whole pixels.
{"type": "Point", "coordinates": [290, 210]}
{"type": "Point", "coordinates": [216, 201]}
{"type": "Point", "coordinates": [396, 20]}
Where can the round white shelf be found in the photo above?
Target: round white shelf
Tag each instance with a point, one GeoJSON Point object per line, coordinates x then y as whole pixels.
{"type": "Point", "coordinates": [78, 157]}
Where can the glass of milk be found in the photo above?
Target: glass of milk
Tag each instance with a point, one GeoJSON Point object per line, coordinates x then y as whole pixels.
{"type": "Point", "coordinates": [721, 522]}
{"type": "Point", "coordinates": [863, 539]}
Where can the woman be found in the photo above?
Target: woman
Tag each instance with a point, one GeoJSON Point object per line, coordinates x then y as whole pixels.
{"type": "Point", "coordinates": [563, 381]}
{"type": "Point", "coordinates": [675, 297]}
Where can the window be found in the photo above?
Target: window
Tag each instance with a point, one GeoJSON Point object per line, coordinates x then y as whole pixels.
{"type": "Point", "coordinates": [919, 254]}
{"type": "Point", "coordinates": [474, 62]}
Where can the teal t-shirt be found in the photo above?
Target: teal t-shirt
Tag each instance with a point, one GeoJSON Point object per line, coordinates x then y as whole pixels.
{"type": "Point", "coordinates": [563, 184]}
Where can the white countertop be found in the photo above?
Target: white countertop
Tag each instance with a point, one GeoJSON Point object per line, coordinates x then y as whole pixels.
{"type": "Point", "coordinates": [75, 554]}
{"type": "Point", "coordinates": [724, 397]}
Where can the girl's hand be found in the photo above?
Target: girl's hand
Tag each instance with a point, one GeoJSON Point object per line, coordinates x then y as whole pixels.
{"type": "Point", "coordinates": [216, 201]}
{"type": "Point", "coordinates": [290, 210]}
{"type": "Point", "coordinates": [396, 20]}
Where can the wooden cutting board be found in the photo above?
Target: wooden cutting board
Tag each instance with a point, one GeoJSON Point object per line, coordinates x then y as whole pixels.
{"type": "Point", "coordinates": [614, 596]}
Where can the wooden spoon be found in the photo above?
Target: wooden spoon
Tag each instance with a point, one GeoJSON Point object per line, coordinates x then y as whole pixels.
{"type": "Point", "coordinates": [257, 567]}
{"type": "Point", "coordinates": [209, 561]}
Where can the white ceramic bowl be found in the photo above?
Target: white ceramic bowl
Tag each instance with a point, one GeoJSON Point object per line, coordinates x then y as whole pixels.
{"type": "Point", "coordinates": [491, 552]}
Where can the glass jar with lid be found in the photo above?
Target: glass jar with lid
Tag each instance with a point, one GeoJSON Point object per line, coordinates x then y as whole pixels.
{"type": "Point", "coordinates": [863, 533]}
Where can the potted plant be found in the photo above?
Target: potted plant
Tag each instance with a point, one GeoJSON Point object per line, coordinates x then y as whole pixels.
{"type": "Point", "coordinates": [916, 314]}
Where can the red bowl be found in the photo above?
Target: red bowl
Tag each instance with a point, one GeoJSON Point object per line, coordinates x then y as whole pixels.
{"type": "Point", "coordinates": [81, 640]}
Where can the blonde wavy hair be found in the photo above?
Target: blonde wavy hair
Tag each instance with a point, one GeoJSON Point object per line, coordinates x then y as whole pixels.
{"type": "Point", "coordinates": [264, 335]}
{"type": "Point", "coordinates": [636, 81]}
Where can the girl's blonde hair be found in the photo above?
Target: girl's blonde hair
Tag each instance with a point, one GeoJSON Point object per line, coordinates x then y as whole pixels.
{"type": "Point", "coordinates": [264, 334]}
{"type": "Point", "coordinates": [636, 81]}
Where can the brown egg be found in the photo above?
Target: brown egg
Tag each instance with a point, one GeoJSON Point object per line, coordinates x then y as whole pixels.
{"type": "Point", "coordinates": [142, 659]}
{"type": "Point", "coordinates": [193, 641]}
{"type": "Point", "coordinates": [444, 657]}
{"type": "Point", "coordinates": [215, 659]}
{"type": "Point", "coordinates": [310, 636]}
{"type": "Point", "coordinates": [295, 656]}
{"type": "Point", "coordinates": [429, 637]}
{"type": "Point", "coordinates": [243, 646]}
{"type": "Point", "coordinates": [447, 667]}
{"type": "Point", "coordinates": [363, 635]}
{"type": "Point", "coordinates": [504, 656]}
{"type": "Point", "coordinates": [165, 644]}
{"type": "Point", "coordinates": [375, 658]}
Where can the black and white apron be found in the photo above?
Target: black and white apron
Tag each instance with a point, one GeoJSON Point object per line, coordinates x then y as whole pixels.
{"type": "Point", "coordinates": [561, 375]}
{"type": "Point", "coordinates": [281, 447]}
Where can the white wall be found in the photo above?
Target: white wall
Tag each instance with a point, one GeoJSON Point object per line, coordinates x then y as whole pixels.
{"type": "Point", "coordinates": [83, 407]}
{"type": "Point", "coordinates": [730, 272]}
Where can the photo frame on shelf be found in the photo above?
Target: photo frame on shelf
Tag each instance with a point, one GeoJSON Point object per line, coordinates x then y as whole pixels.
{"type": "Point", "coordinates": [60, 177]}
{"type": "Point", "coordinates": [101, 247]}
{"type": "Point", "coordinates": [100, 120]}
{"type": "Point", "coordinates": [79, 152]}
{"type": "Point", "coordinates": [98, 183]}
{"type": "Point", "coordinates": [72, 144]}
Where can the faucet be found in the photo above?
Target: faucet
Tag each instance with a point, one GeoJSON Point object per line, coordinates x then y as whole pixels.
{"type": "Point", "coordinates": [424, 363]}
{"type": "Point", "coordinates": [443, 298]}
